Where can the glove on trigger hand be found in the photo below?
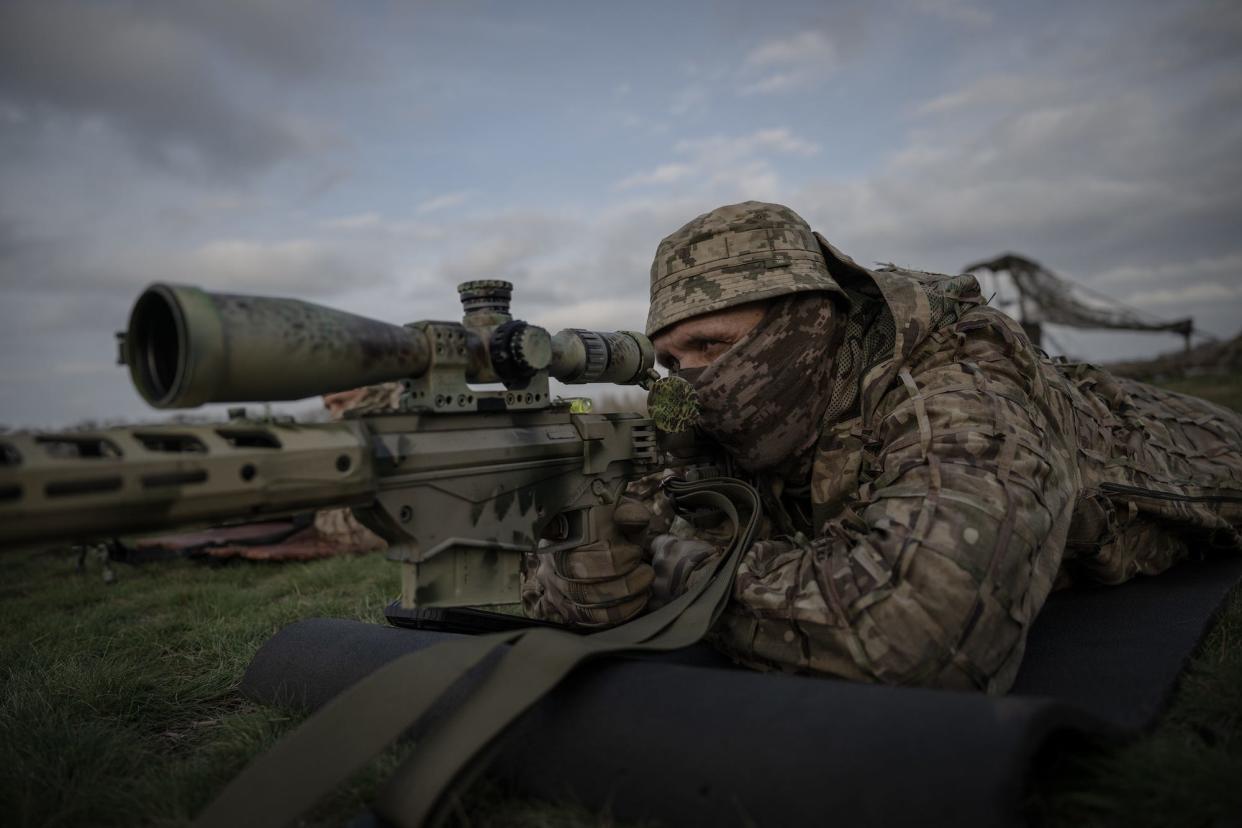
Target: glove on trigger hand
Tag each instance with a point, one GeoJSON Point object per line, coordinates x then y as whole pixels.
{"type": "Point", "coordinates": [598, 584]}
{"type": "Point", "coordinates": [687, 553]}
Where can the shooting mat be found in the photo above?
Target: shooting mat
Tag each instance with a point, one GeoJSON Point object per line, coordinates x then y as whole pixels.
{"type": "Point", "coordinates": [688, 739]}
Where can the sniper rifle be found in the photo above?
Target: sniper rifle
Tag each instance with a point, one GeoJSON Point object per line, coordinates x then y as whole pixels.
{"type": "Point", "coordinates": [459, 480]}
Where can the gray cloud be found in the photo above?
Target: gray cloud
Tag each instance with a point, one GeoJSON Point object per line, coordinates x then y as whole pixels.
{"type": "Point", "coordinates": [295, 40]}
{"type": "Point", "coordinates": [1109, 150]}
{"type": "Point", "coordinates": [503, 242]}
{"type": "Point", "coordinates": [972, 15]}
{"type": "Point", "coordinates": [1106, 171]}
{"type": "Point", "coordinates": [72, 270]}
{"type": "Point", "coordinates": [808, 56]}
{"type": "Point", "coordinates": [727, 166]}
{"type": "Point", "coordinates": [15, 246]}
{"type": "Point", "coordinates": [166, 76]}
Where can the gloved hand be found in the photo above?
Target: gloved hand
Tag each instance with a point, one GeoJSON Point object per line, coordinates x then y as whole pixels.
{"type": "Point", "coordinates": [603, 583]}
{"type": "Point", "coordinates": [686, 554]}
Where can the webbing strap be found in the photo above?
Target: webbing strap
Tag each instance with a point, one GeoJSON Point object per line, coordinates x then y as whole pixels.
{"type": "Point", "coordinates": [344, 735]}
{"type": "Point", "coordinates": [334, 743]}
{"type": "Point", "coordinates": [535, 665]}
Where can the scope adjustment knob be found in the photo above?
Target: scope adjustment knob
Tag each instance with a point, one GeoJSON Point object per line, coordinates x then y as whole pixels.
{"type": "Point", "coordinates": [598, 355]}
{"type": "Point", "coordinates": [519, 351]}
{"type": "Point", "coordinates": [532, 348]}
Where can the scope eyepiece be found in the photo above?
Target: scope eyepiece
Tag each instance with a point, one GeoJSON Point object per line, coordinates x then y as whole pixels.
{"type": "Point", "coordinates": [620, 357]}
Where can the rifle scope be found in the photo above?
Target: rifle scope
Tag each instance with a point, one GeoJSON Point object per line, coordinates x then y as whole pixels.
{"type": "Point", "coordinates": [186, 346]}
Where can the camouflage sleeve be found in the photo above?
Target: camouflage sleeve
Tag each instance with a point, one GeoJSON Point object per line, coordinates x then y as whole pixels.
{"type": "Point", "coordinates": [931, 568]}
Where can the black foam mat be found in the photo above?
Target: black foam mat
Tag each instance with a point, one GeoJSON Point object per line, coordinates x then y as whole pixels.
{"type": "Point", "coordinates": [1116, 652]}
{"type": "Point", "coordinates": [687, 739]}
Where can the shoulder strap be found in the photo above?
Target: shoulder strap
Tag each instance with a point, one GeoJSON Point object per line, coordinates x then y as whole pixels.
{"type": "Point", "coordinates": [337, 741]}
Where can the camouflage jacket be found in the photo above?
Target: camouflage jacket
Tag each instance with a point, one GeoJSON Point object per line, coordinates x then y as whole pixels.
{"type": "Point", "coordinates": [958, 473]}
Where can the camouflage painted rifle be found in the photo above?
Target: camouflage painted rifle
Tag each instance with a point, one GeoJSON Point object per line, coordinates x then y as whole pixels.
{"type": "Point", "coordinates": [460, 480]}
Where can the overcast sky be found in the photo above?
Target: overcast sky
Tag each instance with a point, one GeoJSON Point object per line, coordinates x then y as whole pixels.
{"type": "Point", "coordinates": [371, 155]}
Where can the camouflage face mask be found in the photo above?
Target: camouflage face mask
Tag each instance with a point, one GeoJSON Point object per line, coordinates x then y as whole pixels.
{"type": "Point", "coordinates": [765, 397]}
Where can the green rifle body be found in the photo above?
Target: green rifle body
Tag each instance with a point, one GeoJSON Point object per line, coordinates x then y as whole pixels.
{"type": "Point", "coordinates": [460, 480]}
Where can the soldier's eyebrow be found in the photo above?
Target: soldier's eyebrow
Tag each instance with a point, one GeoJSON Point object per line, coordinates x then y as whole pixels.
{"type": "Point", "coordinates": [693, 337]}
{"type": "Point", "coordinates": [713, 331]}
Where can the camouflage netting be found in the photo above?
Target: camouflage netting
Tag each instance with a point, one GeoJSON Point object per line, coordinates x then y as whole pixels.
{"type": "Point", "coordinates": [1046, 297]}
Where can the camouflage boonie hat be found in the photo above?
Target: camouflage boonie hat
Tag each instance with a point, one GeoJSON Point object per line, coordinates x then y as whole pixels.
{"type": "Point", "coordinates": [735, 254]}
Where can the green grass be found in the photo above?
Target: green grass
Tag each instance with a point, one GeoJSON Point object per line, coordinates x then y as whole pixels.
{"type": "Point", "coordinates": [1187, 771]}
{"type": "Point", "coordinates": [118, 703]}
{"type": "Point", "coordinates": [118, 700]}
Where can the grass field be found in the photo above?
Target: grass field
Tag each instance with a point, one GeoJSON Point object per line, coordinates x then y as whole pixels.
{"type": "Point", "coordinates": [118, 702]}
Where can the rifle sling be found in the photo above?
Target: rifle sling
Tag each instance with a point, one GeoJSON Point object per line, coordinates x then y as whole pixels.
{"type": "Point", "coordinates": [344, 735]}
{"type": "Point", "coordinates": [327, 748]}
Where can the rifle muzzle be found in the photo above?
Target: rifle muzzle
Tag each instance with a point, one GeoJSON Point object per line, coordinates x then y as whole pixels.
{"type": "Point", "coordinates": [185, 347]}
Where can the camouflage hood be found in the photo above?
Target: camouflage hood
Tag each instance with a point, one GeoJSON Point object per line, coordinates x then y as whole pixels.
{"type": "Point", "coordinates": [733, 255]}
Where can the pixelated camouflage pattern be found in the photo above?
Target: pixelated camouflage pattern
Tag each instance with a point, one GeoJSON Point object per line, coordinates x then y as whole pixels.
{"type": "Point", "coordinates": [968, 470]}
{"type": "Point", "coordinates": [764, 399]}
{"type": "Point", "coordinates": [735, 254]}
